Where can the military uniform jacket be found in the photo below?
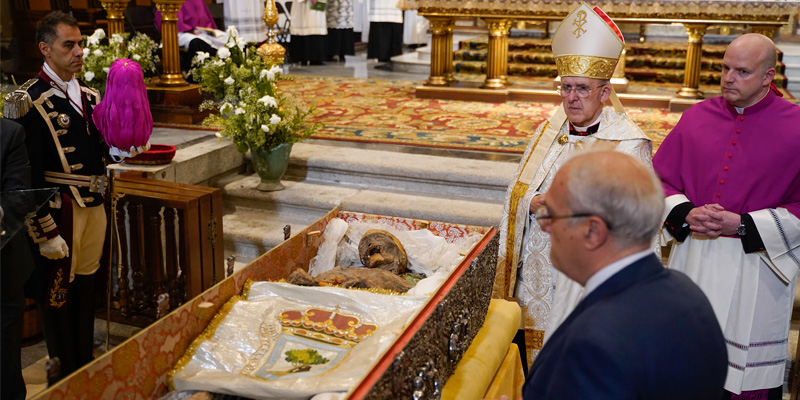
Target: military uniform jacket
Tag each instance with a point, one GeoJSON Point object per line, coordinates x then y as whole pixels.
{"type": "Point", "coordinates": [65, 148]}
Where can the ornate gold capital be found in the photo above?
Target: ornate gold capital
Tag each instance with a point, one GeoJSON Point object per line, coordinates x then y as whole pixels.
{"type": "Point", "coordinates": [498, 26]}
{"type": "Point", "coordinates": [114, 8]}
{"type": "Point", "coordinates": [441, 26]}
{"type": "Point", "coordinates": [588, 66]}
{"type": "Point", "coordinates": [696, 32]}
{"type": "Point", "coordinates": [169, 9]}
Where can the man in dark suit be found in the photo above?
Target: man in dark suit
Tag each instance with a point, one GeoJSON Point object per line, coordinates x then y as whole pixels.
{"type": "Point", "coordinates": [16, 263]}
{"type": "Point", "coordinates": [641, 331]}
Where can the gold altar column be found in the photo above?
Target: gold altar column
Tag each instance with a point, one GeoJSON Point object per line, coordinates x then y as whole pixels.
{"type": "Point", "coordinates": [691, 72]}
{"type": "Point", "coordinates": [171, 75]}
{"type": "Point", "coordinates": [116, 21]}
{"type": "Point", "coordinates": [497, 59]}
{"type": "Point", "coordinates": [441, 51]}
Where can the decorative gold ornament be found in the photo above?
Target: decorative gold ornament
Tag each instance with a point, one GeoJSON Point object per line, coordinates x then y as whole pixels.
{"type": "Point", "coordinates": [63, 120]}
{"type": "Point", "coordinates": [579, 22]}
{"type": "Point", "coordinates": [271, 51]}
{"type": "Point", "coordinates": [589, 66]}
{"type": "Point", "coordinates": [563, 139]}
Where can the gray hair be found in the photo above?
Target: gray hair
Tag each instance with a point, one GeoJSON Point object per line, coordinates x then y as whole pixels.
{"type": "Point", "coordinates": [627, 195]}
{"type": "Point", "coordinates": [46, 29]}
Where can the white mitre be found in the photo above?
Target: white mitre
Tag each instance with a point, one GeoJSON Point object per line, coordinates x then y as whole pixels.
{"type": "Point", "coordinates": [587, 43]}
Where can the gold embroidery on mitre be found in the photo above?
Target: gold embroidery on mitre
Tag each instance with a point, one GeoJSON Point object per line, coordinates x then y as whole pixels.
{"type": "Point", "coordinates": [579, 22]}
{"type": "Point", "coordinates": [587, 66]}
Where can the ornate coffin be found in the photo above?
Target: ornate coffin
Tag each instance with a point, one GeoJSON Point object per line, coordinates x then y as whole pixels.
{"type": "Point", "coordinates": [416, 365]}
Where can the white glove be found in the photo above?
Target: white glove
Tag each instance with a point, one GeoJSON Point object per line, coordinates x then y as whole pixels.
{"type": "Point", "coordinates": [54, 248]}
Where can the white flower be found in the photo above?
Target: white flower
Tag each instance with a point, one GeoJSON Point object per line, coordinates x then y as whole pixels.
{"type": "Point", "coordinates": [105, 69]}
{"type": "Point", "coordinates": [98, 52]}
{"type": "Point", "coordinates": [202, 55]}
{"type": "Point", "coordinates": [219, 135]}
{"type": "Point", "coordinates": [239, 41]}
{"type": "Point", "coordinates": [116, 38]}
{"type": "Point", "coordinates": [88, 76]}
{"type": "Point", "coordinates": [85, 54]}
{"type": "Point", "coordinates": [223, 53]}
{"type": "Point", "coordinates": [232, 31]}
{"type": "Point", "coordinates": [274, 119]}
{"type": "Point", "coordinates": [265, 128]}
{"type": "Point", "coordinates": [262, 74]}
{"type": "Point", "coordinates": [137, 57]}
{"type": "Point", "coordinates": [268, 101]}
{"type": "Point", "coordinates": [218, 63]}
{"type": "Point", "coordinates": [225, 106]}
{"type": "Point", "coordinates": [276, 69]}
{"type": "Point", "coordinates": [229, 81]}
{"type": "Point", "coordinates": [94, 40]}
{"type": "Point", "coordinates": [238, 110]}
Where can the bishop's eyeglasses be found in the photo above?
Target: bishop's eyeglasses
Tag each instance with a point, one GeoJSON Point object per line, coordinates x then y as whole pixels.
{"type": "Point", "coordinates": [582, 91]}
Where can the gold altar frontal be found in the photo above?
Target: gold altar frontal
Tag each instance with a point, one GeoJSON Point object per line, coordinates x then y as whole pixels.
{"type": "Point", "coordinates": [422, 358]}
{"type": "Point", "coordinates": [697, 16]}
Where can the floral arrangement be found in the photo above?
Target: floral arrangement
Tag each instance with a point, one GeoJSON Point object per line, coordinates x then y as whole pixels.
{"type": "Point", "coordinates": [97, 57]}
{"type": "Point", "coordinates": [252, 112]}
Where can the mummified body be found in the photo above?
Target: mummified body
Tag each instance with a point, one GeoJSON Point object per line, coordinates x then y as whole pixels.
{"type": "Point", "coordinates": [380, 252]}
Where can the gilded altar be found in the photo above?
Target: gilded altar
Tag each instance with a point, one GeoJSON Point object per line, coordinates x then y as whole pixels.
{"type": "Point", "coordinates": [697, 16]}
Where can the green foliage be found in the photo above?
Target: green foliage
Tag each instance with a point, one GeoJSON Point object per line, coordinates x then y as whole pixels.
{"type": "Point", "coordinates": [305, 357]}
{"type": "Point", "coordinates": [97, 57]}
{"type": "Point", "coordinates": [252, 112]}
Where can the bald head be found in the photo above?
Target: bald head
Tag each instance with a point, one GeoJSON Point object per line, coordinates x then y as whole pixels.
{"type": "Point", "coordinates": [748, 68]}
{"type": "Point", "coordinates": [621, 190]}
{"type": "Point", "coordinates": [757, 46]}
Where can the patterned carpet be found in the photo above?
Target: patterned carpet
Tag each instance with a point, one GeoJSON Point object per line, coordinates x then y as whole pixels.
{"type": "Point", "coordinates": [386, 111]}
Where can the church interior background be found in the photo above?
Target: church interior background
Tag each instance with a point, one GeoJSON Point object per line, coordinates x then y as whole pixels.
{"type": "Point", "coordinates": [390, 144]}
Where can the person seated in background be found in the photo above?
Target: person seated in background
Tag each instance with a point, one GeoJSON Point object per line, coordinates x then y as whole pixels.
{"type": "Point", "coordinates": [640, 331]}
{"type": "Point", "coordinates": [197, 31]}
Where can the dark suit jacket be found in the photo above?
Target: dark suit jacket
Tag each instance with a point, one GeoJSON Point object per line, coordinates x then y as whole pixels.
{"type": "Point", "coordinates": [645, 333]}
{"type": "Point", "coordinates": [16, 263]}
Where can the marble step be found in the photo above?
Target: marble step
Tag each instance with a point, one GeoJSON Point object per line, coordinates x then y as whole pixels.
{"type": "Point", "coordinates": [486, 180]}
{"type": "Point", "coordinates": [254, 220]}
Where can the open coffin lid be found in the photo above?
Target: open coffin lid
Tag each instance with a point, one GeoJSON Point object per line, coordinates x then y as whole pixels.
{"type": "Point", "coordinates": [420, 359]}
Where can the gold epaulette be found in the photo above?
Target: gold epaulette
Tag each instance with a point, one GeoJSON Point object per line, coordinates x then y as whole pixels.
{"type": "Point", "coordinates": [18, 102]}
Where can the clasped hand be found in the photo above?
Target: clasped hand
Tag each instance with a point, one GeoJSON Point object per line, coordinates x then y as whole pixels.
{"type": "Point", "coordinates": [712, 220]}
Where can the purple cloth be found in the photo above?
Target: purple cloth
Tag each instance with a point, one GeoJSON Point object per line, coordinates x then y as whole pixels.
{"type": "Point", "coordinates": [745, 162]}
{"type": "Point", "coordinates": [193, 14]}
{"type": "Point", "coordinates": [123, 117]}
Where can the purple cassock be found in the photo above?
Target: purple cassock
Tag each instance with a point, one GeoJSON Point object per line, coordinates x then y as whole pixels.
{"type": "Point", "coordinates": [193, 14]}
{"type": "Point", "coordinates": [744, 162]}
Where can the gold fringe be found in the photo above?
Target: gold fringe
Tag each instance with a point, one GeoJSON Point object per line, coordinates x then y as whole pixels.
{"type": "Point", "coordinates": [207, 333]}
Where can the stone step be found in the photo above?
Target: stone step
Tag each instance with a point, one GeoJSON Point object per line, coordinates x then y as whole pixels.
{"type": "Point", "coordinates": [397, 171]}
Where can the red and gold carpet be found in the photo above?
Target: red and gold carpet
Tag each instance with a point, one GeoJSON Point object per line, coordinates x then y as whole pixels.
{"type": "Point", "coordinates": [386, 111]}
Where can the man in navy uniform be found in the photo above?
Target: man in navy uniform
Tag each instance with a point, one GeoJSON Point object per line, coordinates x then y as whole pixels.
{"type": "Point", "coordinates": [66, 151]}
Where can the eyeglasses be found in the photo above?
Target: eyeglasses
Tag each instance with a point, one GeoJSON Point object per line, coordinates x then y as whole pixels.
{"type": "Point", "coordinates": [541, 215]}
{"type": "Point", "coordinates": [582, 91]}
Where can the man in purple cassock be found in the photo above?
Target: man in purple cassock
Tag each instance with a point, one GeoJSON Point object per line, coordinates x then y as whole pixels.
{"type": "Point", "coordinates": [731, 178]}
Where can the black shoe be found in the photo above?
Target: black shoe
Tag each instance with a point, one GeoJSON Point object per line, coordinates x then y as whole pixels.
{"type": "Point", "coordinates": [316, 63]}
{"type": "Point", "coordinates": [385, 67]}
